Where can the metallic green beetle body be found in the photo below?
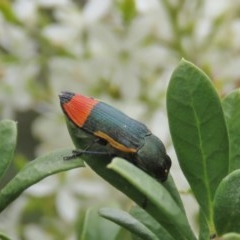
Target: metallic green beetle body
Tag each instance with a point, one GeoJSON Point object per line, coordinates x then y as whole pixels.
{"type": "Point", "coordinates": [119, 134]}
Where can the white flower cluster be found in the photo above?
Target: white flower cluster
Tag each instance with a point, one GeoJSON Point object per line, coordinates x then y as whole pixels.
{"type": "Point", "coordinates": [47, 46]}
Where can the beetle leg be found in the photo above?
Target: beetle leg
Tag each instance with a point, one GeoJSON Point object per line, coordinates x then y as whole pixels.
{"type": "Point", "coordinates": [78, 152]}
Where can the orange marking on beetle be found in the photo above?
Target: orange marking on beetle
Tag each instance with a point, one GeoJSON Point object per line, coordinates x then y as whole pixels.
{"type": "Point", "coordinates": [114, 143]}
{"type": "Point", "coordinates": [79, 108]}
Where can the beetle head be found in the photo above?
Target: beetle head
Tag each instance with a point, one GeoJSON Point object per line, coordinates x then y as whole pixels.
{"type": "Point", "coordinates": [152, 158]}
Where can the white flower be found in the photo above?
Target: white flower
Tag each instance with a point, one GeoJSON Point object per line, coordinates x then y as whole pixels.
{"type": "Point", "coordinates": [13, 91]}
{"type": "Point", "coordinates": [16, 41]}
{"type": "Point", "coordinates": [52, 3]}
{"type": "Point", "coordinates": [147, 5]}
{"type": "Point", "coordinates": [34, 231]}
{"type": "Point", "coordinates": [71, 192]}
{"type": "Point", "coordinates": [26, 11]}
{"type": "Point", "coordinates": [94, 10]}
{"type": "Point", "coordinates": [10, 218]}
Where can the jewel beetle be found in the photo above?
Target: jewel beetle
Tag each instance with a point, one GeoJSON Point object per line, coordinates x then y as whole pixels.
{"type": "Point", "coordinates": [120, 135]}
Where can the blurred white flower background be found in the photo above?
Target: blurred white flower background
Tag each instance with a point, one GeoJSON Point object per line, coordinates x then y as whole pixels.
{"type": "Point", "coordinates": [122, 52]}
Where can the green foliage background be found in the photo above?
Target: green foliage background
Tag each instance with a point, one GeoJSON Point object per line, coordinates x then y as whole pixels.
{"type": "Point", "coordinates": [120, 51]}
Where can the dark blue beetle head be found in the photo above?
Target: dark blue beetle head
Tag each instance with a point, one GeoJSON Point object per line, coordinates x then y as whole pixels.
{"type": "Point", "coordinates": [152, 158]}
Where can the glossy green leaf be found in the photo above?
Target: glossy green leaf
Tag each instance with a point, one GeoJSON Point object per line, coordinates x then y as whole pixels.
{"type": "Point", "coordinates": [204, 231]}
{"type": "Point", "coordinates": [230, 236]}
{"type": "Point", "coordinates": [231, 106]}
{"type": "Point", "coordinates": [159, 202]}
{"type": "Point", "coordinates": [99, 165]}
{"type": "Point", "coordinates": [227, 204]}
{"type": "Point", "coordinates": [198, 131]}
{"type": "Point", "coordinates": [97, 228]}
{"type": "Point", "coordinates": [36, 170]}
{"type": "Point", "coordinates": [150, 223]}
{"type": "Point", "coordinates": [4, 237]}
{"type": "Point", "coordinates": [127, 221]}
{"type": "Point", "coordinates": [172, 189]}
{"type": "Point", "coordinates": [8, 139]}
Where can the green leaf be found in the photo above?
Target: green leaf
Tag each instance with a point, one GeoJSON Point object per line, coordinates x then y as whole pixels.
{"type": "Point", "coordinates": [150, 223]}
{"type": "Point", "coordinates": [4, 237]}
{"type": "Point", "coordinates": [36, 170]}
{"type": "Point", "coordinates": [159, 202]}
{"type": "Point", "coordinates": [127, 221]}
{"type": "Point", "coordinates": [231, 106]}
{"type": "Point", "coordinates": [8, 140]}
{"type": "Point", "coordinates": [97, 228]}
{"type": "Point", "coordinates": [226, 204]}
{"type": "Point", "coordinates": [204, 232]}
{"type": "Point", "coordinates": [231, 236]}
{"type": "Point", "coordinates": [198, 131]}
{"type": "Point", "coordinates": [172, 189]}
{"type": "Point", "coordinates": [99, 165]}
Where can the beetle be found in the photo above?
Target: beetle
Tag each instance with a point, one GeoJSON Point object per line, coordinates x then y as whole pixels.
{"type": "Point", "coordinates": [120, 135]}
